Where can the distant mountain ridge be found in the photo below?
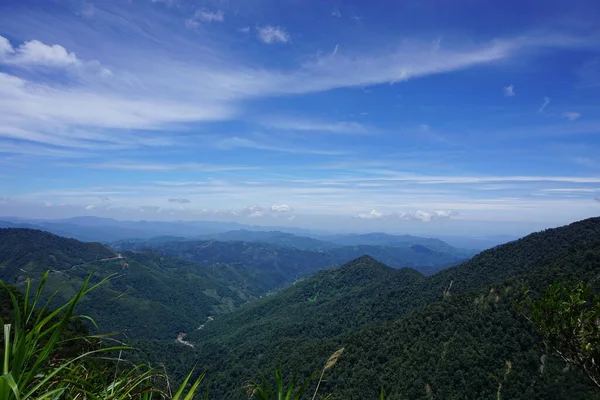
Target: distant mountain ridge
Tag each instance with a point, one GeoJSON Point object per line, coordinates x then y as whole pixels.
{"type": "Point", "coordinates": [290, 262]}
{"type": "Point", "coordinates": [109, 230]}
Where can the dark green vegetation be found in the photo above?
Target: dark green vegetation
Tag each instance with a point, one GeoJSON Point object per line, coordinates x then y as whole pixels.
{"type": "Point", "coordinates": [47, 354]}
{"type": "Point", "coordinates": [150, 296]}
{"type": "Point", "coordinates": [455, 334]}
{"type": "Point", "coordinates": [567, 316]}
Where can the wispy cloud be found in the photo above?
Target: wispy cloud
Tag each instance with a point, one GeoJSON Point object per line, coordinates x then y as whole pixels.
{"type": "Point", "coordinates": [419, 215]}
{"type": "Point", "coordinates": [154, 90]}
{"type": "Point", "coordinates": [139, 165]}
{"type": "Point", "coordinates": [300, 124]}
{"type": "Point", "coordinates": [205, 16]}
{"type": "Point", "coordinates": [571, 115]}
{"type": "Point", "coordinates": [544, 104]}
{"type": "Point", "coordinates": [239, 142]}
{"type": "Point", "coordinates": [270, 34]}
{"type": "Point", "coordinates": [509, 91]}
{"type": "Point", "coordinates": [335, 50]}
{"type": "Point", "coordinates": [336, 13]}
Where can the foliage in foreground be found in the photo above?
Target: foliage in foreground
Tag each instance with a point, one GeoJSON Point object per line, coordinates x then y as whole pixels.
{"type": "Point", "coordinates": [567, 316]}
{"type": "Point", "coordinates": [35, 363]}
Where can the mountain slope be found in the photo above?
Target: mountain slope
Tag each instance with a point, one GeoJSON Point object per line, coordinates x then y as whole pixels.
{"type": "Point", "coordinates": [24, 251]}
{"type": "Point", "coordinates": [150, 296]}
{"type": "Point", "coordinates": [407, 328]}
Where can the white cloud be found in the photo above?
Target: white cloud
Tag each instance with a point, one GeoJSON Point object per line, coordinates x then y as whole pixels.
{"type": "Point", "coordinates": [299, 124]}
{"type": "Point", "coordinates": [244, 29]}
{"type": "Point", "coordinates": [374, 214]}
{"type": "Point", "coordinates": [238, 142]}
{"type": "Point", "coordinates": [254, 211]}
{"type": "Point", "coordinates": [144, 166]}
{"type": "Point", "coordinates": [336, 13]}
{"type": "Point", "coordinates": [571, 115]}
{"type": "Point", "coordinates": [5, 47]}
{"type": "Point", "coordinates": [153, 87]}
{"type": "Point", "coordinates": [204, 16]}
{"type": "Point", "coordinates": [281, 208]}
{"type": "Point", "coordinates": [509, 90]}
{"type": "Point", "coordinates": [90, 207]}
{"type": "Point", "coordinates": [419, 215]}
{"type": "Point", "coordinates": [35, 52]}
{"type": "Point", "coordinates": [427, 216]}
{"type": "Point", "coordinates": [272, 34]}
{"type": "Point", "coordinates": [545, 104]}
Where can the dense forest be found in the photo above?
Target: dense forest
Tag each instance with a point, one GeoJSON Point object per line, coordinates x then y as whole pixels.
{"type": "Point", "coordinates": [408, 332]}
{"type": "Point", "coordinates": [457, 334]}
{"type": "Point", "coordinates": [148, 296]}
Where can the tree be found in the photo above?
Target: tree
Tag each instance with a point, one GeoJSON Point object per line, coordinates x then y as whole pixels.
{"type": "Point", "coordinates": [567, 317]}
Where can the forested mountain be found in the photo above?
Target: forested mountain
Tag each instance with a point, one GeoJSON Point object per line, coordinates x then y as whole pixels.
{"type": "Point", "coordinates": [289, 263]}
{"type": "Point", "coordinates": [151, 296]}
{"type": "Point", "coordinates": [28, 252]}
{"type": "Point", "coordinates": [455, 334]}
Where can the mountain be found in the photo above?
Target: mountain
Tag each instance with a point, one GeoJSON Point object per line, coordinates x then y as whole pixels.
{"type": "Point", "coordinates": [286, 264]}
{"type": "Point", "coordinates": [477, 242]}
{"type": "Point", "coordinates": [454, 334]}
{"type": "Point", "coordinates": [384, 239]}
{"type": "Point", "coordinates": [108, 229]}
{"type": "Point", "coordinates": [277, 238]}
{"type": "Point", "coordinates": [150, 296]}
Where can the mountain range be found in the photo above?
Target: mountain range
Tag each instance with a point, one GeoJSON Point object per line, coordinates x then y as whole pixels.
{"type": "Point", "coordinates": [244, 306]}
{"type": "Point", "coordinates": [455, 334]}
{"type": "Point", "coordinates": [107, 230]}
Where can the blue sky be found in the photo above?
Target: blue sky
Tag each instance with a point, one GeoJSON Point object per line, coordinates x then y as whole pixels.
{"type": "Point", "coordinates": [416, 116]}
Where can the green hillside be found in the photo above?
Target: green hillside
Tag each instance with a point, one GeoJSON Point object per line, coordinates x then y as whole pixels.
{"type": "Point", "coordinates": [31, 252]}
{"type": "Point", "coordinates": [150, 295]}
{"type": "Point", "coordinates": [405, 331]}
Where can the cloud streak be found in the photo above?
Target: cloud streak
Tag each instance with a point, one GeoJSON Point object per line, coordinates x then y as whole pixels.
{"type": "Point", "coordinates": [544, 104]}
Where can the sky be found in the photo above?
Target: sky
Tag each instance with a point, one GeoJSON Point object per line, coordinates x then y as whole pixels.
{"type": "Point", "coordinates": [416, 116]}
